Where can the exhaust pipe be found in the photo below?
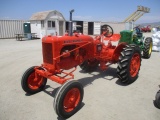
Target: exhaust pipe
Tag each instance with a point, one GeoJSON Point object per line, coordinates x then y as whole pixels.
{"type": "Point", "coordinates": [71, 23]}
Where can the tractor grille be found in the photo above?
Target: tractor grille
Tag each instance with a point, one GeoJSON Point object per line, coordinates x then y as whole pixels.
{"type": "Point", "coordinates": [47, 53]}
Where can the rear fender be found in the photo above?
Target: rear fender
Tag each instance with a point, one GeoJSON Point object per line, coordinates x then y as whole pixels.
{"type": "Point", "coordinates": [117, 51]}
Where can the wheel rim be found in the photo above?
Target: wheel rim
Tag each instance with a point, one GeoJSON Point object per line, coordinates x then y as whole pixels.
{"type": "Point", "coordinates": [34, 82]}
{"type": "Point", "coordinates": [135, 65]}
{"type": "Point", "coordinates": [71, 99]}
{"type": "Point", "coordinates": [150, 48]}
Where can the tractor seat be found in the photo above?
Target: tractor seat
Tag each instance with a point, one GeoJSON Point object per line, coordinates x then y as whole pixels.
{"type": "Point", "coordinates": [138, 32]}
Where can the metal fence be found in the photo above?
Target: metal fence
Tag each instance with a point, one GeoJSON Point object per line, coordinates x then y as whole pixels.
{"type": "Point", "coordinates": [8, 28]}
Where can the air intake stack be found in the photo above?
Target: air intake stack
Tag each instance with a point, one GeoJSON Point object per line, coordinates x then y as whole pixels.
{"type": "Point", "coordinates": [71, 23]}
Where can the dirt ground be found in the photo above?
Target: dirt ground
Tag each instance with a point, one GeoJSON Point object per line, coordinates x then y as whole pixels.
{"type": "Point", "coordinates": [105, 98]}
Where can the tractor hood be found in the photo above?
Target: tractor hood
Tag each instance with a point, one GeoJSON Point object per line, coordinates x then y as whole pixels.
{"type": "Point", "coordinates": [66, 40]}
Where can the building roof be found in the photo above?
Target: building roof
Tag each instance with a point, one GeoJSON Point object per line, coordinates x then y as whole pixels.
{"type": "Point", "coordinates": [43, 15]}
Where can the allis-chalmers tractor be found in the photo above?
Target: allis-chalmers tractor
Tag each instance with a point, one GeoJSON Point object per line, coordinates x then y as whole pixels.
{"type": "Point", "coordinates": [64, 53]}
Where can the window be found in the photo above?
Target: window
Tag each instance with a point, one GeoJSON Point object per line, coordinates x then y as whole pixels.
{"type": "Point", "coordinates": [51, 24]}
{"type": "Point", "coordinates": [42, 23]}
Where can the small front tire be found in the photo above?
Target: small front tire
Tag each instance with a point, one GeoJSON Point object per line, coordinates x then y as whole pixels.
{"type": "Point", "coordinates": [30, 84]}
{"type": "Point", "coordinates": [68, 99]}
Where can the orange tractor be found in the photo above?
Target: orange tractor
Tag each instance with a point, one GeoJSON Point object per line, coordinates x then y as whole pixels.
{"type": "Point", "coordinates": [64, 53]}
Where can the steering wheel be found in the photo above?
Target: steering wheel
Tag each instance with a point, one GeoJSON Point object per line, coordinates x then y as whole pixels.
{"type": "Point", "coordinates": [107, 30]}
{"type": "Point", "coordinates": [137, 29]}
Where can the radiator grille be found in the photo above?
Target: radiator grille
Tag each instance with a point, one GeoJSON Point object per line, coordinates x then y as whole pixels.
{"type": "Point", "coordinates": [47, 53]}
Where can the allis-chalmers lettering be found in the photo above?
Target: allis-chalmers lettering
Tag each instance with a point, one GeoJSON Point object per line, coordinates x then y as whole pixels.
{"type": "Point", "coordinates": [71, 41]}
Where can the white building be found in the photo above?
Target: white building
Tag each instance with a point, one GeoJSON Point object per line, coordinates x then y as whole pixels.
{"type": "Point", "coordinates": [47, 23]}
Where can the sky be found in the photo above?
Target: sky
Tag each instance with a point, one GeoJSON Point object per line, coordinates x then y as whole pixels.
{"type": "Point", "coordinates": [87, 10]}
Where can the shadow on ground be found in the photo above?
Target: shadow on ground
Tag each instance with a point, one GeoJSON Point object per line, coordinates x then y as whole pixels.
{"type": "Point", "coordinates": [109, 74]}
{"type": "Point", "coordinates": [26, 39]}
{"type": "Point", "coordinates": [82, 104]}
{"type": "Point", "coordinates": [51, 92]}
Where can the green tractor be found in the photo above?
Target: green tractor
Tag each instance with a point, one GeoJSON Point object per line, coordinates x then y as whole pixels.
{"type": "Point", "coordinates": [136, 37]}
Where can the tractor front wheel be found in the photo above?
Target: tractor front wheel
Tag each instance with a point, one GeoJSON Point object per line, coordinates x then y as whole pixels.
{"type": "Point", "coordinates": [31, 82]}
{"type": "Point", "coordinates": [157, 101]}
{"type": "Point", "coordinates": [147, 47]}
{"type": "Point", "coordinates": [89, 65]}
{"type": "Point", "coordinates": [68, 99]}
{"type": "Point", "coordinates": [129, 64]}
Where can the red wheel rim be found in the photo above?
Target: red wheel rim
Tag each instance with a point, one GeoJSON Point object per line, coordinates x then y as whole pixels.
{"type": "Point", "coordinates": [34, 82]}
{"type": "Point", "coordinates": [135, 65]}
{"type": "Point", "coordinates": [71, 99]}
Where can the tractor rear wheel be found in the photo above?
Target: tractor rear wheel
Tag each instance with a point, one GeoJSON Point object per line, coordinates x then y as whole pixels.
{"type": "Point", "coordinates": [89, 65]}
{"type": "Point", "coordinates": [129, 64]}
{"type": "Point", "coordinates": [31, 83]}
{"type": "Point", "coordinates": [68, 99]}
{"type": "Point", "coordinates": [157, 101]}
{"type": "Point", "coordinates": [147, 47]}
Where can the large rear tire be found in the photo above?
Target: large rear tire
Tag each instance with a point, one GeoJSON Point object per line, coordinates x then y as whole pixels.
{"type": "Point", "coordinates": [30, 84]}
{"type": "Point", "coordinates": [68, 99]}
{"type": "Point", "coordinates": [148, 44]}
{"type": "Point", "coordinates": [89, 65]}
{"type": "Point", "coordinates": [129, 64]}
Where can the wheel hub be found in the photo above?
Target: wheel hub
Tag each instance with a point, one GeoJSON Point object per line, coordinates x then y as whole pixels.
{"type": "Point", "coordinates": [71, 99]}
{"type": "Point", "coordinates": [135, 65]}
{"type": "Point", "coordinates": [34, 81]}
{"type": "Point", "coordinates": [150, 48]}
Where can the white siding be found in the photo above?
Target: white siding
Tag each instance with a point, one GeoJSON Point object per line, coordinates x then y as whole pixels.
{"type": "Point", "coordinates": [97, 28]}
{"type": "Point", "coordinates": [8, 28]}
{"type": "Point", "coordinates": [117, 27]}
{"type": "Point", "coordinates": [85, 28]}
{"type": "Point", "coordinates": [36, 28]}
{"type": "Point", "coordinates": [54, 16]}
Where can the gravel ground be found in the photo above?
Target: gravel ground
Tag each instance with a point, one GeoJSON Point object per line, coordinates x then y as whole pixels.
{"type": "Point", "coordinates": [105, 98]}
